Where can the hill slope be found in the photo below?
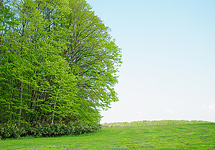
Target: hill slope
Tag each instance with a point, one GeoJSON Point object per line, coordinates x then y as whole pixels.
{"type": "Point", "coordinates": [153, 135]}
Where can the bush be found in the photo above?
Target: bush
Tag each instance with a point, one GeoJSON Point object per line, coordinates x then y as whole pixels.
{"type": "Point", "coordinates": [47, 130]}
{"type": "Point", "coordinates": [10, 131]}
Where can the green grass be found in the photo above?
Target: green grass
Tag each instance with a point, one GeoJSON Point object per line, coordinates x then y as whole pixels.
{"type": "Point", "coordinates": [141, 135]}
{"type": "Point", "coordinates": [147, 123]}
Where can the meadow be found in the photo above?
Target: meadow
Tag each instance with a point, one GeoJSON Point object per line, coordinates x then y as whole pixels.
{"type": "Point", "coordinates": [164, 135]}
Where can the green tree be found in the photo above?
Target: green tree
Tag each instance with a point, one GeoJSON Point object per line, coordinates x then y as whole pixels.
{"type": "Point", "coordinates": [58, 63]}
{"type": "Point", "coordinates": [93, 57]}
{"type": "Point", "coordinates": [7, 88]}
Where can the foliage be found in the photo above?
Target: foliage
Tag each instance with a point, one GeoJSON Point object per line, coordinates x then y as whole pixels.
{"type": "Point", "coordinates": [44, 129]}
{"type": "Point", "coordinates": [58, 63]}
{"type": "Point", "coordinates": [172, 136]}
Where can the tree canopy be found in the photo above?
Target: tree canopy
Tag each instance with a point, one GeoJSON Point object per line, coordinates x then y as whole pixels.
{"type": "Point", "coordinates": [58, 62]}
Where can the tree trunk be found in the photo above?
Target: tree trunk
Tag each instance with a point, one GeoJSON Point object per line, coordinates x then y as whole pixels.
{"type": "Point", "coordinates": [20, 109]}
{"type": "Point", "coordinates": [53, 115]}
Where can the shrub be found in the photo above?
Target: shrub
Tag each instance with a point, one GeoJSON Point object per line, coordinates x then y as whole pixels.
{"type": "Point", "coordinates": [47, 130]}
{"type": "Point", "coordinates": [10, 131]}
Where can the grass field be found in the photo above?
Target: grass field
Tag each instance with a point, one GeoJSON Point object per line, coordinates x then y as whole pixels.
{"type": "Point", "coordinates": [136, 135]}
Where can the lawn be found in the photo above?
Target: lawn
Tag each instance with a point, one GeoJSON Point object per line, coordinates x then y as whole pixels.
{"type": "Point", "coordinates": [137, 135]}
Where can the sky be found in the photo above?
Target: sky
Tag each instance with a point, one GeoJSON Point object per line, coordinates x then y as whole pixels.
{"type": "Point", "coordinates": [168, 49]}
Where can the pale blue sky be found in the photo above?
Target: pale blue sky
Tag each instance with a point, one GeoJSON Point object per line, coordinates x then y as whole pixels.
{"type": "Point", "coordinates": [168, 49]}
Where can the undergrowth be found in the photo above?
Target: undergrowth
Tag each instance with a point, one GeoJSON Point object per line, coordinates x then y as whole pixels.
{"type": "Point", "coordinates": [46, 130]}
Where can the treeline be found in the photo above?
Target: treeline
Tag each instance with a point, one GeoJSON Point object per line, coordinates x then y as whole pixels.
{"type": "Point", "coordinates": [58, 63]}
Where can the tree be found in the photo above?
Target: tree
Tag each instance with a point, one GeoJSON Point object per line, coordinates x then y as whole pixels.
{"type": "Point", "coordinates": [93, 57]}
{"type": "Point", "coordinates": [58, 63]}
{"type": "Point", "coordinates": [7, 24]}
